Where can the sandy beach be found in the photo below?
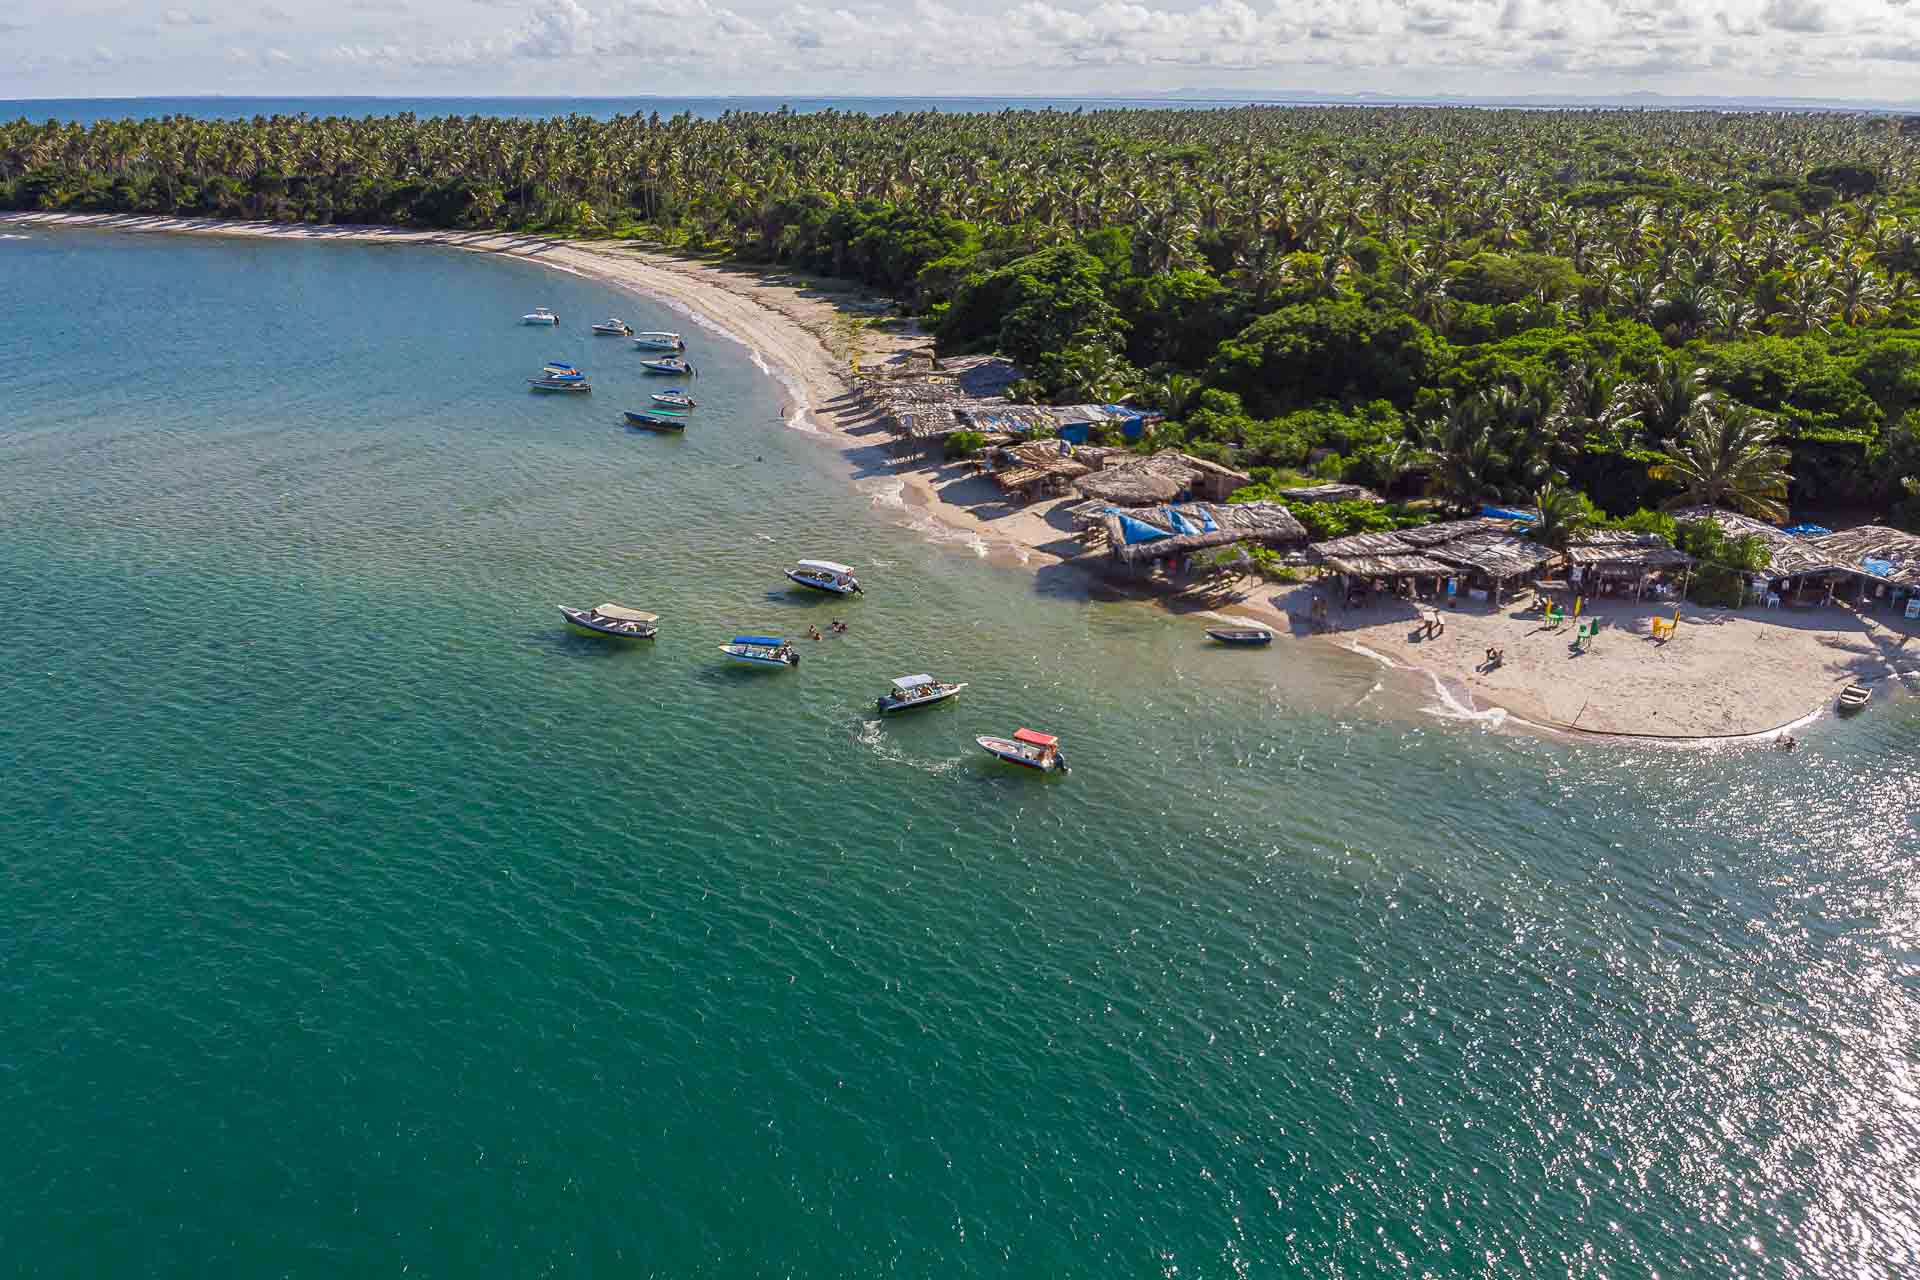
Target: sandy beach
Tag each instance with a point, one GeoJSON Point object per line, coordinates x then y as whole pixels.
{"type": "Point", "coordinates": [1725, 674]}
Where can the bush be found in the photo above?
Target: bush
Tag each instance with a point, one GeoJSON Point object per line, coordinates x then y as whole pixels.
{"type": "Point", "coordinates": [964, 444]}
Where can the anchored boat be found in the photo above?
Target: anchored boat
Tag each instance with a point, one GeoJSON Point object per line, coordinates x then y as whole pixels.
{"type": "Point", "coordinates": [1240, 635]}
{"type": "Point", "coordinates": [916, 691]}
{"type": "Point", "coordinates": [672, 366]}
{"type": "Point", "coordinates": [539, 315]}
{"type": "Point", "coordinates": [676, 399]}
{"type": "Point", "coordinates": [575, 382]}
{"type": "Point", "coordinates": [761, 651]}
{"type": "Point", "coordinates": [560, 369]}
{"type": "Point", "coordinates": [613, 327]}
{"type": "Point", "coordinates": [657, 421]}
{"type": "Point", "coordinates": [613, 620]}
{"type": "Point", "coordinates": [1854, 697]}
{"type": "Point", "coordinates": [826, 575]}
{"type": "Point", "coordinates": [654, 340]}
{"type": "Point", "coordinates": [1029, 750]}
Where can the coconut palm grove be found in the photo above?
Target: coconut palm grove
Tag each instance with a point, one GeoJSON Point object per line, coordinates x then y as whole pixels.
{"type": "Point", "coordinates": [1600, 312]}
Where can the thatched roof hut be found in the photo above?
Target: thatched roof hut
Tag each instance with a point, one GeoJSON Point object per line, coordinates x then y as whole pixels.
{"type": "Point", "coordinates": [1616, 553]}
{"type": "Point", "coordinates": [1792, 557]}
{"type": "Point", "coordinates": [1363, 544]}
{"type": "Point", "coordinates": [1876, 551]}
{"type": "Point", "coordinates": [1331, 493]}
{"type": "Point", "coordinates": [1154, 533]}
{"type": "Point", "coordinates": [1432, 535]}
{"type": "Point", "coordinates": [1499, 556]}
{"type": "Point", "coordinates": [1162, 477]}
{"type": "Point", "coordinates": [1406, 565]}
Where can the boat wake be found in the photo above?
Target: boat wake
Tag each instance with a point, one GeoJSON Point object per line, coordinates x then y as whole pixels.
{"type": "Point", "coordinates": [871, 735]}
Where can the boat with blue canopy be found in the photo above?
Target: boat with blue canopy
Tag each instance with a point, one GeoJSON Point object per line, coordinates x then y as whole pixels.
{"type": "Point", "coordinates": [916, 691]}
{"type": "Point", "coordinates": [761, 651]}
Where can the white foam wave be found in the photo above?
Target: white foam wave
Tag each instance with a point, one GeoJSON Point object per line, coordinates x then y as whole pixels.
{"type": "Point", "coordinates": [11, 236]}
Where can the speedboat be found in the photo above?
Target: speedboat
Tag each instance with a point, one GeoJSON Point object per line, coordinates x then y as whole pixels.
{"type": "Point", "coordinates": [613, 620]}
{"type": "Point", "coordinates": [613, 327]}
{"type": "Point", "coordinates": [1854, 697]}
{"type": "Point", "coordinates": [826, 575]}
{"type": "Point", "coordinates": [576, 382]}
{"type": "Point", "coordinates": [657, 421]}
{"type": "Point", "coordinates": [672, 365]}
{"type": "Point", "coordinates": [1029, 750]}
{"type": "Point", "coordinates": [1240, 635]}
{"type": "Point", "coordinates": [916, 691]}
{"type": "Point", "coordinates": [653, 340]}
{"type": "Point", "coordinates": [761, 651]}
{"type": "Point", "coordinates": [675, 399]}
{"type": "Point", "coordinates": [539, 315]}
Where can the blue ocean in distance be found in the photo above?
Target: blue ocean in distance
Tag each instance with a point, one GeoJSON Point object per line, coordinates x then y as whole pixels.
{"type": "Point", "coordinates": [355, 918]}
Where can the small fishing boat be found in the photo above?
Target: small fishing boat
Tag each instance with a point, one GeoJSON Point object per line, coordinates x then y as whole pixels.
{"type": "Point", "coordinates": [916, 691]}
{"type": "Point", "coordinates": [613, 620]}
{"type": "Point", "coordinates": [1854, 697]}
{"type": "Point", "coordinates": [1029, 750]}
{"type": "Point", "coordinates": [575, 383]}
{"type": "Point", "coordinates": [761, 651]}
{"type": "Point", "coordinates": [613, 327]}
{"type": "Point", "coordinates": [826, 575]}
{"type": "Point", "coordinates": [539, 315]}
{"type": "Point", "coordinates": [672, 366]}
{"type": "Point", "coordinates": [676, 399]}
{"type": "Point", "coordinates": [1240, 635]}
{"type": "Point", "coordinates": [653, 340]}
{"type": "Point", "coordinates": [656, 421]}
{"type": "Point", "coordinates": [560, 369]}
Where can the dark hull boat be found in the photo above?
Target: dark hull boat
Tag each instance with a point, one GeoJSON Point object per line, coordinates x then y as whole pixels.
{"type": "Point", "coordinates": [1240, 635]}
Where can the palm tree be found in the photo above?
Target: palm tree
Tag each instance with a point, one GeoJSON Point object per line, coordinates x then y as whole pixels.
{"type": "Point", "coordinates": [1726, 456]}
{"type": "Point", "coordinates": [1564, 516]}
{"type": "Point", "coordinates": [1664, 400]}
{"type": "Point", "coordinates": [1465, 455]}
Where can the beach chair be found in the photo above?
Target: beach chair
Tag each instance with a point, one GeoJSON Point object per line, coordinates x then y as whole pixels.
{"type": "Point", "coordinates": [1555, 616]}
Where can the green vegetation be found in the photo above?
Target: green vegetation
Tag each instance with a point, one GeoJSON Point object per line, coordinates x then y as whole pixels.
{"type": "Point", "coordinates": [1721, 563]}
{"type": "Point", "coordinates": [1632, 306]}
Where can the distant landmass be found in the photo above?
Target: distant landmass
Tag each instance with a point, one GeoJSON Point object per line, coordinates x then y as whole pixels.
{"type": "Point", "coordinates": [1637, 98]}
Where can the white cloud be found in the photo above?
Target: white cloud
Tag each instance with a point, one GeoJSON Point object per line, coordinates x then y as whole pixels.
{"type": "Point", "coordinates": [181, 18]}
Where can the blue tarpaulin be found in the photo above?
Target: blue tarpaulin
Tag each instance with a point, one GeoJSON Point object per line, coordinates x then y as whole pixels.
{"type": "Point", "coordinates": [1808, 530]}
{"type": "Point", "coordinates": [1506, 513]}
{"type": "Point", "coordinates": [1136, 532]}
{"type": "Point", "coordinates": [1878, 568]}
{"type": "Point", "coordinates": [1178, 525]}
{"type": "Point", "coordinates": [1077, 433]}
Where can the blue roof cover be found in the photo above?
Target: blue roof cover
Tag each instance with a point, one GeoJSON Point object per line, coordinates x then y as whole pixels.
{"type": "Point", "coordinates": [1135, 532]}
{"type": "Point", "coordinates": [1878, 568]}
{"type": "Point", "coordinates": [1808, 530]}
{"type": "Point", "coordinates": [775, 641]}
{"type": "Point", "coordinates": [1507, 513]}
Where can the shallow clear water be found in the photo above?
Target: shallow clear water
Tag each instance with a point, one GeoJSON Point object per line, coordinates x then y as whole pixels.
{"type": "Point", "coordinates": [355, 918]}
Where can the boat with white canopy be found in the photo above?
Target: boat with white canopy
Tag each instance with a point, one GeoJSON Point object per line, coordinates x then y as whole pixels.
{"type": "Point", "coordinates": [826, 575]}
{"type": "Point", "coordinates": [674, 399]}
{"type": "Point", "coordinates": [613, 620]}
{"type": "Point", "coordinates": [539, 315]}
{"type": "Point", "coordinates": [916, 691]}
{"type": "Point", "coordinates": [1029, 750]}
{"type": "Point", "coordinates": [672, 366]}
{"type": "Point", "coordinates": [654, 340]}
{"type": "Point", "coordinates": [761, 651]}
{"type": "Point", "coordinates": [613, 327]}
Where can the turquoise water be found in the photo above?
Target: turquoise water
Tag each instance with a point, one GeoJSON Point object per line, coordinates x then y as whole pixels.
{"type": "Point", "coordinates": [357, 919]}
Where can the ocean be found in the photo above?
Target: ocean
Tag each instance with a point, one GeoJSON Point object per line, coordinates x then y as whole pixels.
{"type": "Point", "coordinates": [355, 918]}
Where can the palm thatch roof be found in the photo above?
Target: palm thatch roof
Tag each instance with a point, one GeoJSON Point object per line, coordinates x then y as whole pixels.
{"type": "Point", "coordinates": [1498, 555]}
{"type": "Point", "coordinates": [1362, 544]}
{"type": "Point", "coordinates": [1432, 535]}
{"type": "Point", "coordinates": [1160, 477]}
{"type": "Point", "coordinates": [1792, 557]}
{"type": "Point", "coordinates": [1876, 551]}
{"type": "Point", "coordinates": [1331, 493]}
{"type": "Point", "coordinates": [1405, 565]}
{"type": "Point", "coordinates": [1268, 523]}
{"type": "Point", "coordinates": [1616, 549]}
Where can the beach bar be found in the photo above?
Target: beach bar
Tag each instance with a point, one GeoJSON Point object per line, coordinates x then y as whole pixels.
{"type": "Point", "coordinates": [1608, 562]}
{"type": "Point", "coordinates": [1140, 537]}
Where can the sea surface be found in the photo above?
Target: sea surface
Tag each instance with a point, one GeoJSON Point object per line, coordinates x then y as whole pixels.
{"type": "Point", "coordinates": [90, 110]}
{"type": "Point", "coordinates": [356, 919]}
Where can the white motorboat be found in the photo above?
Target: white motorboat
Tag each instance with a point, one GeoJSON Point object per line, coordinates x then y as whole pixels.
{"type": "Point", "coordinates": [761, 651]}
{"type": "Point", "coordinates": [675, 399]}
{"type": "Point", "coordinates": [654, 340]}
{"type": "Point", "coordinates": [613, 327]}
{"type": "Point", "coordinates": [916, 691]}
{"type": "Point", "coordinates": [671, 365]}
{"type": "Point", "coordinates": [613, 620]}
{"type": "Point", "coordinates": [539, 315]}
{"type": "Point", "coordinates": [826, 575]}
{"type": "Point", "coordinates": [561, 369]}
{"type": "Point", "coordinates": [1029, 750]}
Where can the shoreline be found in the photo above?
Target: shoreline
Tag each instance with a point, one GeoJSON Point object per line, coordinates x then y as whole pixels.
{"type": "Point", "coordinates": [807, 335]}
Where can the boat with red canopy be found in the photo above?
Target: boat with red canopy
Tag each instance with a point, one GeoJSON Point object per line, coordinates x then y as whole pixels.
{"type": "Point", "coordinates": [1028, 749]}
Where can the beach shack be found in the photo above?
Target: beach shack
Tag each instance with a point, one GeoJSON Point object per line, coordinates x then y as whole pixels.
{"type": "Point", "coordinates": [1802, 574]}
{"type": "Point", "coordinates": [1366, 562]}
{"type": "Point", "coordinates": [1883, 563]}
{"type": "Point", "coordinates": [1615, 562]}
{"type": "Point", "coordinates": [1166, 476]}
{"type": "Point", "coordinates": [1037, 469]}
{"type": "Point", "coordinates": [1140, 538]}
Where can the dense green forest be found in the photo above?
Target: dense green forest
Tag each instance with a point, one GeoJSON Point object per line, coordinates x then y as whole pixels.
{"type": "Point", "coordinates": [1632, 306]}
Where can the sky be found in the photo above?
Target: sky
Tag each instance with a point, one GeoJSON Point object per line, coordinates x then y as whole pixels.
{"type": "Point", "coordinates": [1115, 48]}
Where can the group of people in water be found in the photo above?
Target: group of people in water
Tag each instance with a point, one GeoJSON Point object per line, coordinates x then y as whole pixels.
{"type": "Point", "coordinates": [839, 629]}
